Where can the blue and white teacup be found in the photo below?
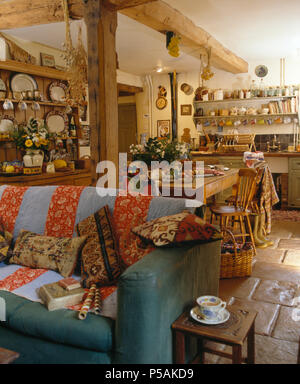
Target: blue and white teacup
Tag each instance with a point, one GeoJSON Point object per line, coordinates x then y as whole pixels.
{"type": "Point", "coordinates": [211, 307]}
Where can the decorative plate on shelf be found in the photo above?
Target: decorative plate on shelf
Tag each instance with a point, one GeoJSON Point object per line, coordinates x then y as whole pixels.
{"type": "Point", "coordinates": [58, 91]}
{"type": "Point", "coordinates": [2, 85]}
{"type": "Point", "coordinates": [7, 124]}
{"type": "Point", "coordinates": [261, 71]}
{"type": "Point", "coordinates": [22, 82]}
{"type": "Point", "coordinates": [57, 122]}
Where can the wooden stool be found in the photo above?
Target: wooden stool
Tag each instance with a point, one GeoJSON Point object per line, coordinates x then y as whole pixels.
{"type": "Point", "coordinates": [234, 332]}
{"type": "Point", "coordinates": [7, 357]}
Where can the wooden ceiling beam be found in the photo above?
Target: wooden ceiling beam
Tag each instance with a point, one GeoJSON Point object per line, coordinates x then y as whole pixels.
{"type": "Point", "coordinates": [25, 13]}
{"type": "Point", "coordinates": [155, 14]}
{"type": "Point", "coordinates": [122, 4]}
{"type": "Point", "coordinates": [162, 18]}
{"type": "Point", "coordinates": [129, 88]}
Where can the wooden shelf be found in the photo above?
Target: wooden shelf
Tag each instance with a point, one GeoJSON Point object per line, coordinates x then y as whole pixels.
{"type": "Point", "coordinates": [61, 138]}
{"type": "Point", "coordinates": [44, 77]}
{"type": "Point", "coordinates": [46, 103]}
{"type": "Point", "coordinates": [270, 98]}
{"type": "Point", "coordinates": [31, 69]}
{"type": "Point", "coordinates": [243, 116]}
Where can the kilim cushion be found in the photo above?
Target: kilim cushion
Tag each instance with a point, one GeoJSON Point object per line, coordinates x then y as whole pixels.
{"type": "Point", "coordinates": [47, 252]}
{"type": "Point", "coordinates": [5, 242]}
{"type": "Point", "coordinates": [178, 229]}
{"type": "Point", "coordinates": [100, 260]}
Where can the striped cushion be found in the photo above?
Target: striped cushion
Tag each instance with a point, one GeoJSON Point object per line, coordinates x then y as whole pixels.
{"type": "Point", "coordinates": [100, 261]}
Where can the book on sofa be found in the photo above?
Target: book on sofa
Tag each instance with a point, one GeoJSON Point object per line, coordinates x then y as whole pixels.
{"type": "Point", "coordinates": [54, 296]}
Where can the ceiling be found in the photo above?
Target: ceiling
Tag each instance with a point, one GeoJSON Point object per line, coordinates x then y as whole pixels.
{"type": "Point", "coordinates": [252, 29]}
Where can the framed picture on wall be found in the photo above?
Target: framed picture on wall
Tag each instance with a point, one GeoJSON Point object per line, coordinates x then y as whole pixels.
{"type": "Point", "coordinates": [186, 109]}
{"type": "Point", "coordinates": [164, 128]}
{"type": "Point", "coordinates": [47, 60]}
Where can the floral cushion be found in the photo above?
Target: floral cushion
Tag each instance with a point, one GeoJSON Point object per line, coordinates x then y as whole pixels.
{"type": "Point", "coordinates": [177, 229]}
{"type": "Point", "coordinates": [5, 243]}
{"type": "Point", "coordinates": [47, 252]}
{"type": "Point", "coordinates": [100, 261]}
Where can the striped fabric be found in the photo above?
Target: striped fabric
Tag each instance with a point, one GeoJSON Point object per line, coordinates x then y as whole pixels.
{"type": "Point", "coordinates": [10, 204]}
{"type": "Point", "coordinates": [62, 211]}
{"type": "Point", "coordinates": [55, 211]}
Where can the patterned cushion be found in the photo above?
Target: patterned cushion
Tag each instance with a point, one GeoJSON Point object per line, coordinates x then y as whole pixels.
{"type": "Point", "coordinates": [100, 261]}
{"type": "Point", "coordinates": [47, 252]}
{"type": "Point", "coordinates": [129, 212]}
{"type": "Point", "coordinates": [5, 242]}
{"type": "Point", "coordinates": [177, 229]}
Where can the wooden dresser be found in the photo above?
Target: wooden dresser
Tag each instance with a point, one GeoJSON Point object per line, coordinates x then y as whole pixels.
{"type": "Point", "coordinates": [77, 177]}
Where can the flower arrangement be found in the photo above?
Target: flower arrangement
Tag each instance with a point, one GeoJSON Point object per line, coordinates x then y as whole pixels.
{"type": "Point", "coordinates": [34, 135]}
{"type": "Point", "coordinates": [159, 150]}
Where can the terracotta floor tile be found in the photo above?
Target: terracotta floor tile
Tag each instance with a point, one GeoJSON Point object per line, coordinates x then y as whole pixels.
{"type": "Point", "coordinates": [280, 272]}
{"type": "Point", "coordinates": [269, 350]}
{"type": "Point", "coordinates": [274, 351]}
{"type": "Point", "coordinates": [267, 314]}
{"type": "Point", "coordinates": [282, 230]}
{"type": "Point", "coordinates": [276, 292]}
{"type": "Point", "coordinates": [287, 328]}
{"type": "Point", "coordinates": [240, 288]}
{"type": "Point", "coordinates": [292, 258]}
{"type": "Point", "coordinates": [288, 226]}
{"type": "Point", "coordinates": [270, 255]}
{"type": "Point", "coordinates": [289, 244]}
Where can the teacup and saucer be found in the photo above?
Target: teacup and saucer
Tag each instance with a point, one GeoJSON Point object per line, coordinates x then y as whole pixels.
{"type": "Point", "coordinates": [210, 310]}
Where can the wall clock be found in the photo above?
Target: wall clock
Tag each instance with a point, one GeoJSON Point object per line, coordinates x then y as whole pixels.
{"type": "Point", "coordinates": [261, 71]}
{"type": "Point", "coordinates": [161, 102]}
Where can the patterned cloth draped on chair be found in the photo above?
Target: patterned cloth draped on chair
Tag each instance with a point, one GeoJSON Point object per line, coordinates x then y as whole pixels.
{"type": "Point", "coordinates": [267, 195]}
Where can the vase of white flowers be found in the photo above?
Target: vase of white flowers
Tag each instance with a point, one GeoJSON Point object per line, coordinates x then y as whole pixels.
{"type": "Point", "coordinates": [159, 150]}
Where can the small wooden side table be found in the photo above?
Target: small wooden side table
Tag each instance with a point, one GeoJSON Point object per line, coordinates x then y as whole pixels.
{"type": "Point", "coordinates": [7, 356]}
{"type": "Point", "coordinates": [239, 327]}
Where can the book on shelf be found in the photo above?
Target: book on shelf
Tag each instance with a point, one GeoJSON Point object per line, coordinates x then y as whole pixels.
{"type": "Point", "coordinates": [54, 296]}
{"type": "Point", "coordinates": [283, 106]}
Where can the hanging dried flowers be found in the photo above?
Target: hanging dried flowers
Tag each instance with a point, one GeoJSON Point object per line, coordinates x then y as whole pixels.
{"type": "Point", "coordinates": [173, 41]}
{"type": "Point", "coordinates": [76, 64]}
{"type": "Point", "coordinates": [207, 74]}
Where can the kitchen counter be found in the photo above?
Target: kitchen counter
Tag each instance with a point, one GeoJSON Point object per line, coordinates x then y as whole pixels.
{"type": "Point", "coordinates": [240, 154]}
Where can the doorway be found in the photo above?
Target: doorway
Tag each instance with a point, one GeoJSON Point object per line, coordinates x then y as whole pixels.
{"type": "Point", "coordinates": [127, 126]}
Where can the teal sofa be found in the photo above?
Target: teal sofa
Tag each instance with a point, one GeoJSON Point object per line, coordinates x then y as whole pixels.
{"type": "Point", "coordinates": [151, 294]}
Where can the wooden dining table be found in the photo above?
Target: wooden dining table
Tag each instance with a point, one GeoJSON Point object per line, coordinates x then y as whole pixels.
{"type": "Point", "coordinates": [212, 185]}
{"type": "Point", "coordinates": [216, 184]}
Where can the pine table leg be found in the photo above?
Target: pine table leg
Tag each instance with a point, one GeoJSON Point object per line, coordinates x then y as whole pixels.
{"type": "Point", "coordinates": [179, 348]}
{"type": "Point", "coordinates": [236, 354]}
{"type": "Point", "coordinates": [251, 346]}
{"type": "Point", "coordinates": [200, 343]}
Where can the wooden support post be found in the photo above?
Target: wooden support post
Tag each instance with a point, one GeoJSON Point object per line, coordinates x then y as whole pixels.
{"type": "Point", "coordinates": [174, 107]}
{"type": "Point", "coordinates": [101, 25]}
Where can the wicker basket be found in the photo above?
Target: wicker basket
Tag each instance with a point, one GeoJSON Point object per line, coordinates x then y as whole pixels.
{"type": "Point", "coordinates": [238, 263]}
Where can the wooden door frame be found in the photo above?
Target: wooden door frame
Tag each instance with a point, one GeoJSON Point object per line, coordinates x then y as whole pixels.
{"type": "Point", "coordinates": [129, 104]}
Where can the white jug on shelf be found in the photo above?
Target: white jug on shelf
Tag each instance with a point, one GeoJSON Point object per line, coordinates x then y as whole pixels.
{"type": "Point", "coordinates": [33, 158]}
